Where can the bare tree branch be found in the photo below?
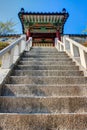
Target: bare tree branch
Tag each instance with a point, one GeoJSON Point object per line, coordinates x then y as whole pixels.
{"type": "Point", "coordinates": [7, 27]}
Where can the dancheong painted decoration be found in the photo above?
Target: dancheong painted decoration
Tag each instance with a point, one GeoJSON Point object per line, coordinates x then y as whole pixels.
{"type": "Point", "coordinates": [43, 27]}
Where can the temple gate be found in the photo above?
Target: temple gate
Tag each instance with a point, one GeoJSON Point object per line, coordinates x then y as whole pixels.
{"type": "Point", "coordinates": [43, 27]}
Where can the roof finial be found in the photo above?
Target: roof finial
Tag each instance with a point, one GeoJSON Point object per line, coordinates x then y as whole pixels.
{"type": "Point", "coordinates": [63, 10]}
{"type": "Point", "coordinates": [22, 10]}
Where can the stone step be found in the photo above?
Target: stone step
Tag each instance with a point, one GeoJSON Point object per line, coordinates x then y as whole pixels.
{"type": "Point", "coordinates": [42, 54]}
{"type": "Point", "coordinates": [46, 62]}
{"type": "Point", "coordinates": [44, 51]}
{"type": "Point", "coordinates": [47, 80]}
{"type": "Point", "coordinates": [46, 59]}
{"type": "Point", "coordinates": [43, 48]}
{"type": "Point", "coordinates": [48, 72]}
{"type": "Point", "coordinates": [30, 53]}
{"type": "Point", "coordinates": [43, 121]}
{"type": "Point", "coordinates": [45, 56]}
{"type": "Point", "coordinates": [44, 90]}
{"type": "Point", "coordinates": [12, 104]}
{"type": "Point", "coordinates": [47, 67]}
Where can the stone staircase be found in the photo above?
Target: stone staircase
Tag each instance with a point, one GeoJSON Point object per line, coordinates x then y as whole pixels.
{"type": "Point", "coordinates": [45, 91]}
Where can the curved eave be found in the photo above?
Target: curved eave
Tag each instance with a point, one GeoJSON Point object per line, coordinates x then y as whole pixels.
{"type": "Point", "coordinates": [35, 15]}
{"type": "Point", "coordinates": [65, 22]}
{"type": "Point", "coordinates": [38, 13]}
{"type": "Point", "coordinates": [21, 23]}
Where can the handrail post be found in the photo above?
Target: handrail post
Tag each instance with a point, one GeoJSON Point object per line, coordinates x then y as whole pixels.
{"type": "Point", "coordinates": [7, 60]}
{"type": "Point", "coordinates": [30, 38]}
{"type": "Point", "coordinates": [16, 52]}
{"type": "Point", "coordinates": [65, 42]}
{"type": "Point", "coordinates": [83, 58]}
{"type": "Point", "coordinates": [71, 49]}
{"type": "Point", "coordinates": [28, 44]}
{"type": "Point", "coordinates": [22, 45]}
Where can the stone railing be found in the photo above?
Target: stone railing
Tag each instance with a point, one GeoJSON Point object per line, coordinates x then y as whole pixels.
{"type": "Point", "coordinates": [10, 54]}
{"type": "Point", "coordinates": [74, 49]}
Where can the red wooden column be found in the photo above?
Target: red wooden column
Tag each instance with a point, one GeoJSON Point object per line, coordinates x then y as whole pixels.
{"type": "Point", "coordinates": [27, 34]}
{"type": "Point", "coordinates": [58, 35]}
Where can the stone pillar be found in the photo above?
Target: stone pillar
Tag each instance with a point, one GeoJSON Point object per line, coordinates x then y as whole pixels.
{"type": "Point", "coordinates": [58, 35]}
{"type": "Point", "coordinates": [27, 34]}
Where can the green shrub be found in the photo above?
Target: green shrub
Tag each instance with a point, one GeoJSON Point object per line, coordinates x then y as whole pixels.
{"type": "Point", "coordinates": [3, 45]}
{"type": "Point", "coordinates": [0, 63]}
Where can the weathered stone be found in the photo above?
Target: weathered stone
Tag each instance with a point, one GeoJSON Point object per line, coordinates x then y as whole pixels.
{"type": "Point", "coordinates": [48, 73]}
{"type": "Point", "coordinates": [43, 121]}
{"type": "Point", "coordinates": [46, 91]}
{"type": "Point", "coordinates": [43, 104]}
{"type": "Point", "coordinates": [47, 80]}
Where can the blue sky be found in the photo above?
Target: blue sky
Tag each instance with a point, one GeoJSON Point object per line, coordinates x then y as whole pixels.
{"type": "Point", "coordinates": [77, 10]}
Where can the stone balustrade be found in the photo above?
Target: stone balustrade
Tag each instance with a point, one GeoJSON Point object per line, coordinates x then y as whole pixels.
{"type": "Point", "coordinates": [74, 49]}
{"type": "Point", "coordinates": [10, 54]}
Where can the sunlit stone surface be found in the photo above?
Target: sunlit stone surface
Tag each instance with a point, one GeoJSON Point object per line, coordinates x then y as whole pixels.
{"type": "Point", "coordinates": [45, 91]}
